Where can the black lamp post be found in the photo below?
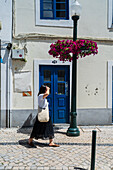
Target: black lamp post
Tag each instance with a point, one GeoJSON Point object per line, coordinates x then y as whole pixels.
{"type": "Point", "coordinates": [73, 130]}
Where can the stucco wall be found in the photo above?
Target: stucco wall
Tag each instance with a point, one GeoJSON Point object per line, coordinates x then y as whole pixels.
{"type": "Point", "coordinates": [36, 50]}
{"type": "Point", "coordinates": [25, 17]}
{"type": "Point", "coordinates": [93, 20]}
{"type": "Point", "coordinates": [6, 20]}
{"type": "Point", "coordinates": [92, 75]}
{"type": "Point", "coordinates": [93, 80]}
{"type": "Point", "coordinates": [6, 37]}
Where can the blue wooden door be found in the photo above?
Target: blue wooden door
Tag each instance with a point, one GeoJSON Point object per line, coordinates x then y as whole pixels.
{"type": "Point", "coordinates": [57, 78]}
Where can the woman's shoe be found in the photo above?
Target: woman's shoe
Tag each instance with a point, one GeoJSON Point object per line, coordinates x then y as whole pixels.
{"type": "Point", "coordinates": [53, 145]}
{"type": "Point", "coordinates": [31, 144]}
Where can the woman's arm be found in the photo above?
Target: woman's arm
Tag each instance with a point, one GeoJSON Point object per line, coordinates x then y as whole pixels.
{"type": "Point", "coordinates": [46, 93]}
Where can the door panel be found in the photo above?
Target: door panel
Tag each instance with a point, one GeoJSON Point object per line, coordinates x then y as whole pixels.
{"type": "Point", "coordinates": [61, 107]}
{"type": "Point", "coordinates": [57, 78]}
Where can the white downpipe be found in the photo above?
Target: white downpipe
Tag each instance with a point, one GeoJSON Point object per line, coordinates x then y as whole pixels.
{"type": "Point", "coordinates": [8, 91]}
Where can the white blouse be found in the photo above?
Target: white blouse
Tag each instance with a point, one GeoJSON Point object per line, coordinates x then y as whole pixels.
{"type": "Point", "coordinates": [42, 102]}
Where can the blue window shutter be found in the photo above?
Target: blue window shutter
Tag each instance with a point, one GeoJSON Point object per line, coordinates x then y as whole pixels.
{"type": "Point", "coordinates": [54, 9]}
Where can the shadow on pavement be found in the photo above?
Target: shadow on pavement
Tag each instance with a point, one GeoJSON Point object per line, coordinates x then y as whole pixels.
{"type": "Point", "coordinates": [24, 143]}
{"type": "Point", "coordinates": [9, 143]}
{"type": "Point", "coordinates": [28, 130]}
{"type": "Point", "coordinates": [56, 131]}
{"type": "Point", "coordinates": [79, 168]}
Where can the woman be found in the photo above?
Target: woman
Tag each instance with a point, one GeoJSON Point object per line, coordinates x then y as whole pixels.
{"type": "Point", "coordinates": [42, 130]}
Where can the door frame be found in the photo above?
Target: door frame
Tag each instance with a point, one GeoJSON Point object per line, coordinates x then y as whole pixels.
{"type": "Point", "coordinates": [110, 87]}
{"type": "Point", "coordinates": [48, 62]}
{"type": "Point", "coordinates": [110, 65]}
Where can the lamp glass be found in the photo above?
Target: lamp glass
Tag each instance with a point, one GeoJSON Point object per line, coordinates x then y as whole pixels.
{"type": "Point", "coordinates": [75, 8]}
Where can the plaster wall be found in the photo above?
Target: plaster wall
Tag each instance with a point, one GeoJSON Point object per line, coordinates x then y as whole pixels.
{"type": "Point", "coordinates": [25, 20]}
{"type": "Point", "coordinates": [6, 37]}
{"type": "Point", "coordinates": [93, 78]}
{"type": "Point", "coordinates": [92, 75]}
{"type": "Point", "coordinates": [6, 20]}
{"type": "Point", "coordinates": [93, 20]}
{"type": "Point", "coordinates": [36, 50]}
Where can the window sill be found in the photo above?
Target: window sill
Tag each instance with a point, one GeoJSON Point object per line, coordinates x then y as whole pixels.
{"type": "Point", "coordinates": [54, 23]}
{"type": "Point", "coordinates": [110, 28]}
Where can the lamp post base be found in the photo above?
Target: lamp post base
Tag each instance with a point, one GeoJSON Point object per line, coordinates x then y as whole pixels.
{"type": "Point", "coordinates": [73, 132]}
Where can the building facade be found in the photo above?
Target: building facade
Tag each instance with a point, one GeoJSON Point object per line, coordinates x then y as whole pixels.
{"type": "Point", "coordinates": [37, 24]}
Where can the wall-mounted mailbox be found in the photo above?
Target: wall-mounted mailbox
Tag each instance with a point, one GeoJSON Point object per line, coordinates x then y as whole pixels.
{"type": "Point", "coordinates": [18, 54]}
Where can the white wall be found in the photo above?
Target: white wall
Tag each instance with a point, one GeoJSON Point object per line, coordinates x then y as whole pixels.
{"type": "Point", "coordinates": [36, 50]}
{"type": "Point", "coordinates": [6, 20]}
{"type": "Point", "coordinates": [93, 78]}
{"type": "Point", "coordinates": [94, 19]}
{"type": "Point", "coordinates": [92, 75]}
{"type": "Point", "coordinates": [6, 37]}
{"type": "Point", "coordinates": [92, 23]}
{"type": "Point", "coordinates": [25, 20]}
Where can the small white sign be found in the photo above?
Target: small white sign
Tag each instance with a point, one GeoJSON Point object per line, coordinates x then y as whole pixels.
{"type": "Point", "coordinates": [18, 54]}
{"type": "Point", "coordinates": [22, 81]}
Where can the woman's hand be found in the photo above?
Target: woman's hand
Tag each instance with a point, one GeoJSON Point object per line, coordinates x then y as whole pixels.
{"type": "Point", "coordinates": [47, 88]}
{"type": "Point", "coordinates": [46, 93]}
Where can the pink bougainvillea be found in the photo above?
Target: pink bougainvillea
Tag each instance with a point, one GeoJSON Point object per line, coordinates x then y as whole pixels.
{"type": "Point", "coordinates": [65, 48]}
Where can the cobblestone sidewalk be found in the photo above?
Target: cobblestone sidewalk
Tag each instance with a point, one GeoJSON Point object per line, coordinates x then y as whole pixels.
{"type": "Point", "coordinates": [74, 153]}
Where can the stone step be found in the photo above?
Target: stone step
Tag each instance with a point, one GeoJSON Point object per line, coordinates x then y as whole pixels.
{"type": "Point", "coordinates": [61, 126]}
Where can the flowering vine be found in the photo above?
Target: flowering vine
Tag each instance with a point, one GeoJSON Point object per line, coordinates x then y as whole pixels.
{"type": "Point", "coordinates": [65, 48]}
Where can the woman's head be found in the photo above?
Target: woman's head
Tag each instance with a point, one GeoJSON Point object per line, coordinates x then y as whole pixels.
{"type": "Point", "coordinates": [42, 90]}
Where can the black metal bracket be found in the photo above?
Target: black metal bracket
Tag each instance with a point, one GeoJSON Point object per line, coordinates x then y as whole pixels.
{"type": "Point", "coordinates": [54, 61]}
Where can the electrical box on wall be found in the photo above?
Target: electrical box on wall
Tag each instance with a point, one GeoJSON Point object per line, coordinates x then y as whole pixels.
{"type": "Point", "coordinates": [18, 54]}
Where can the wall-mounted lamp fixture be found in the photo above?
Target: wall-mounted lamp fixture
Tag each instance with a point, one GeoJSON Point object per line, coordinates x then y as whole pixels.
{"type": "Point", "coordinates": [9, 46]}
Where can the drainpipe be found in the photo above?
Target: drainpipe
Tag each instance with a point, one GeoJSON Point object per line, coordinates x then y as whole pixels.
{"type": "Point", "coordinates": [7, 92]}
{"type": "Point", "coordinates": [8, 72]}
{"type": "Point", "coordinates": [8, 118]}
{"type": "Point", "coordinates": [8, 87]}
{"type": "Point", "coordinates": [9, 81]}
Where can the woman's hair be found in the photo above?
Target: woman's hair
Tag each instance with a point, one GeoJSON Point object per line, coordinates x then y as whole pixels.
{"type": "Point", "coordinates": [42, 89]}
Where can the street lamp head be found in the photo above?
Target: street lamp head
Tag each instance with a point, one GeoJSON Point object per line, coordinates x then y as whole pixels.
{"type": "Point", "coordinates": [75, 8]}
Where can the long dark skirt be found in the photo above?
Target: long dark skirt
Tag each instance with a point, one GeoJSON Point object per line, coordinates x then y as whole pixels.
{"type": "Point", "coordinates": [42, 130]}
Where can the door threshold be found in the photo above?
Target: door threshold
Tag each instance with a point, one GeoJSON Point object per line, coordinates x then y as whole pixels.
{"type": "Point", "coordinates": [61, 125]}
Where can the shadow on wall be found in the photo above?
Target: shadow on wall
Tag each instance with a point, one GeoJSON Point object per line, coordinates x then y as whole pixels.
{"type": "Point", "coordinates": [18, 65]}
{"type": "Point", "coordinates": [26, 128]}
{"type": "Point", "coordinates": [6, 55]}
{"type": "Point", "coordinates": [29, 122]}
